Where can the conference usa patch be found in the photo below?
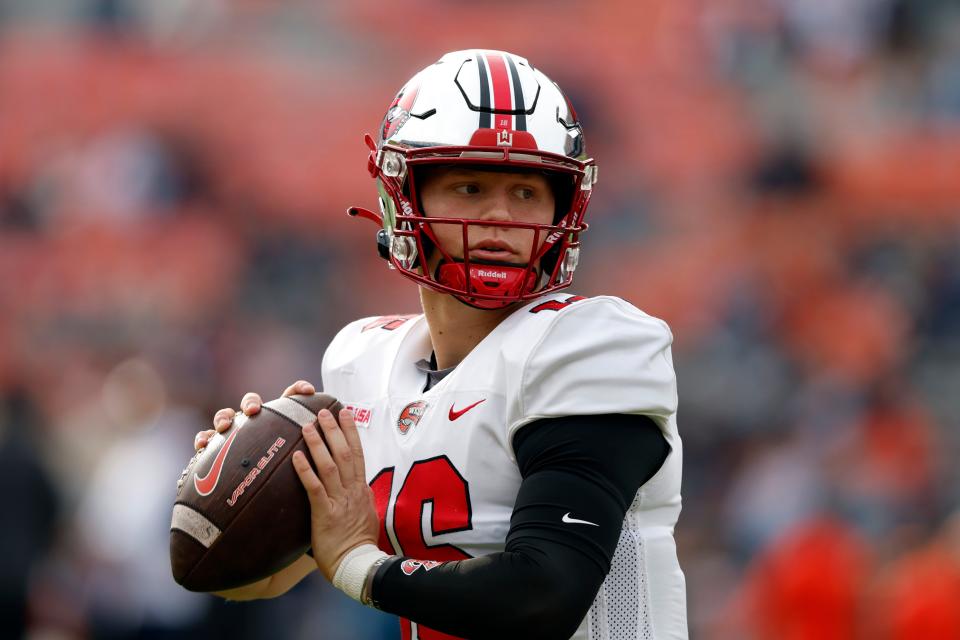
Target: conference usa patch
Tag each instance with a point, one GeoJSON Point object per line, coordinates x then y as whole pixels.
{"type": "Point", "coordinates": [361, 415]}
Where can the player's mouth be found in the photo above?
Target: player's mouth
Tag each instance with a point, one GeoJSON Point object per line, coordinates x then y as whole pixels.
{"type": "Point", "coordinates": [493, 250]}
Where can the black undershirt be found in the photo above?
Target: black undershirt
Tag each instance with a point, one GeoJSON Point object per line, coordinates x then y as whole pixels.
{"type": "Point", "coordinates": [574, 468]}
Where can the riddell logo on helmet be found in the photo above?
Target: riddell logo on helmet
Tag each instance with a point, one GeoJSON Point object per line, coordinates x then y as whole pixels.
{"type": "Point", "coordinates": [407, 209]}
{"type": "Point", "coordinates": [399, 111]}
{"type": "Point", "coordinates": [483, 273]}
{"type": "Point", "coordinates": [553, 237]}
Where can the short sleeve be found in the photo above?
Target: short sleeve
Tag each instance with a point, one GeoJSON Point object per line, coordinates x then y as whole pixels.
{"type": "Point", "coordinates": [600, 356]}
{"type": "Point", "coordinates": [338, 357]}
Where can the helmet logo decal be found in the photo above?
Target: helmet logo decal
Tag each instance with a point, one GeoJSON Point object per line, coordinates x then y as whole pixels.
{"type": "Point", "coordinates": [399, 111]}
{"type": "Point", "coordinates": [504, 138]}
{"type": "Point", "coordinates": [410, 416]}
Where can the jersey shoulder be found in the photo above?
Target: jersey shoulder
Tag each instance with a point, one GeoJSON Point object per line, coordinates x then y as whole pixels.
{"type": "Point", "coordinates": [590, 356]}
{"type": "Point", "coordinates": [364, 340]}
{"type": "Point", "coordinates": [550, 324]}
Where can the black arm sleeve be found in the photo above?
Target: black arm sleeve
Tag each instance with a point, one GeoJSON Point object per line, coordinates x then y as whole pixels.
{"type": "Point", "coordinates": [580, 474]}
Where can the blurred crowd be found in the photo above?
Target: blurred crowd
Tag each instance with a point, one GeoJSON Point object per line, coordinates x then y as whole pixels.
{"type": "Point", "coordinates": [780, 181]}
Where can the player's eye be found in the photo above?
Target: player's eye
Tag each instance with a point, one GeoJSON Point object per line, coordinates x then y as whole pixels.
{"type": "Point", "coordinates": [467, 188]}
{"type": "Point", "coordinates": [525, 193]}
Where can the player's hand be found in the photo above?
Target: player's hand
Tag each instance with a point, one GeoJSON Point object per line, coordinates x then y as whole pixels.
{"type": "Point", "coordinates": [343, 512]}
{"type": "Point", "coordinates": [250, 405]}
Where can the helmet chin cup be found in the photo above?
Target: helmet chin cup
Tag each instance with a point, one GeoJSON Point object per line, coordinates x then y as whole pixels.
{"type": "Point", "coordinates": [505, 282]}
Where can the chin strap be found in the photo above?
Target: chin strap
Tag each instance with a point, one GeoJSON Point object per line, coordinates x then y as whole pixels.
{"type": "Point", "coordinates": [498, 279]}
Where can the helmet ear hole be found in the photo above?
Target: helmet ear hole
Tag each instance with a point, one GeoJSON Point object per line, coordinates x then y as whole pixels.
{"type": "Point", "coordinates": [563, 189]}
{"type": "Point", "coordinates": [549, 261]}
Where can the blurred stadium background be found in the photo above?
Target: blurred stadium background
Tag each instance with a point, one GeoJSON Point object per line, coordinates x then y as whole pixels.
{"type": "Point", "coordinates": [780, 181]}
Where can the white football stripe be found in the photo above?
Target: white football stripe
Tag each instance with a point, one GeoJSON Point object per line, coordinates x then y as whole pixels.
{"type": "Point", "coordinates": [292, 410]}
{"type": "Point", "coordinates": [194, 524]}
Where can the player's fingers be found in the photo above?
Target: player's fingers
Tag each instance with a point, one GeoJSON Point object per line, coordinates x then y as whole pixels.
{"type": "Point", "coordinates": [250, 404]}
{"type": "Point", "coordinates": [349, 427]}
{"type": "Point", "coordinates": [202, 439]}
{"type": "Point", "coordinates": [299, 387]}
{"type": "Point", "coordinates": [326, 466]}
{"type": "Point", "coordinates": [222, 419]}
{"type": "Point", "coordinates": [314, 487]}
{"type": "Point", "coordinates": [337, 445]}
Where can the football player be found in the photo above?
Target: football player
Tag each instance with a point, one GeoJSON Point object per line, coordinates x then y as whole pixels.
{"type": "Point", "coordinates": [508, 465]}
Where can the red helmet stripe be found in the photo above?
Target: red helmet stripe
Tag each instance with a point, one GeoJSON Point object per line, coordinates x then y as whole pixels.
{"type": "Point", "coordinates": [502, 97]}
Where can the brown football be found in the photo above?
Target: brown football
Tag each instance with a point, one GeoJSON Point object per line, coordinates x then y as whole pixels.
{"type": "Point", "coordinates": [241, 513]}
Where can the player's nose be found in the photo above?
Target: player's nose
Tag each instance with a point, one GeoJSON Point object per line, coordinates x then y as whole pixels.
{"type": "Point", "coordinates": [497, 208]}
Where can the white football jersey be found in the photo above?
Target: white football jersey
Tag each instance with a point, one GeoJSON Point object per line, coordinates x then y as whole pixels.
{"type": "Point", "coordinates": [441, 461]}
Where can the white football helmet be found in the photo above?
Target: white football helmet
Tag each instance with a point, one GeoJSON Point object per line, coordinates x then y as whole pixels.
{"type": "Point", "coordinates": [493, 110]}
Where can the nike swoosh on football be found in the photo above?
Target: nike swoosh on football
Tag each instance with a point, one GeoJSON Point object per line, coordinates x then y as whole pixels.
{"type": "Point", "coordinates": [566, 518]}
{"type": "Point", "coordinates": [456, 414]}
{"type": "Point", "coordinates": [208, 483]}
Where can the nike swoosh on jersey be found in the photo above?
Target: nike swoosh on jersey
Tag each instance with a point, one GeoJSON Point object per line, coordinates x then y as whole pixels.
{"type": "Point", "coordinates": [208, 483]}
{"type": "Point", "coordinates": [566, 518]}
{"type": "Point", "coordinates": [456, 414]}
